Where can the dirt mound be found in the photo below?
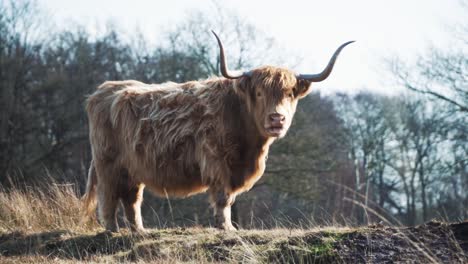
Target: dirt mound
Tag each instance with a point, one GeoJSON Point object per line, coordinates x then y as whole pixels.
{"type": "Point", "coordinates": [431, 242]}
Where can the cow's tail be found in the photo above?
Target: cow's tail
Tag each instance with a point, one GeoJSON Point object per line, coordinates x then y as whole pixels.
{"type": "Point", "coordinates": [89, 198]}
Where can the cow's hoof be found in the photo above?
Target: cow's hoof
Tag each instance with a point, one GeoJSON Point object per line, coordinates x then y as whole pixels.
{"type": "Point", "coordinates": [106, 234]}
{"type": "Point", "coordinates": [227, 227]}
{"type": "Point", "coordinates": [139, 231]}
{"type": "Point", "coordinates": [112, 230]}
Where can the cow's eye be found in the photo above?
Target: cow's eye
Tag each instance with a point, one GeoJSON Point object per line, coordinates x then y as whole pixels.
{"type": "Point", "coordinates": [290, 95]}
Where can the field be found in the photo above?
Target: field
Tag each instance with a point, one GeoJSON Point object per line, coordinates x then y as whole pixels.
{"type": "Point", "coordinates": [37, 226]}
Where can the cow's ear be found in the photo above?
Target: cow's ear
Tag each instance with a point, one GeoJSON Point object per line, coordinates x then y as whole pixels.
{"type": "Point", "coordinates": [303, 88]}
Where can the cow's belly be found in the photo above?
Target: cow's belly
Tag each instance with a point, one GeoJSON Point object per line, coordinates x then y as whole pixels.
{"type": "Point", "coordinates": [170, 188]}
{"type": "Point", "coordinates": [174, 179]}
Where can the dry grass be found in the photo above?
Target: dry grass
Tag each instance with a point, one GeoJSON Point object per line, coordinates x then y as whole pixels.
{"type": "Point", "coordinates": [200, 245]}
{"type": "Point", "coordinates": [32, 209]}
{"type": "Point", "coordinates": [39, 225]}
{"type": "Point", "coordinates": [44, 226]}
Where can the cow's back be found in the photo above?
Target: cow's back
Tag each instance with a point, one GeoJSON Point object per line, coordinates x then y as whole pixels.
{"type": "Point", "coordinates": [153, 131]}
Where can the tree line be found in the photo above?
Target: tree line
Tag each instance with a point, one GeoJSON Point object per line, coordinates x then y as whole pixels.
{"type": "Point", "coordinates": [348, 159]}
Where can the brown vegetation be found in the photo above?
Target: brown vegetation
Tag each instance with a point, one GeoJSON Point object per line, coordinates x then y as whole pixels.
{"type": "Point", "coordinates": [45, 227]}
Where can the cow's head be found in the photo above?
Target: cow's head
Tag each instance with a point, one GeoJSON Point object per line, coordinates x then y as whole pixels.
{"type": "Point", "coordinates": [271, 94]}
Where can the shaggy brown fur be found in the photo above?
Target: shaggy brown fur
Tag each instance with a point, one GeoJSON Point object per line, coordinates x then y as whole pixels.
{"type": "Point", "coordinates": [183, 139]}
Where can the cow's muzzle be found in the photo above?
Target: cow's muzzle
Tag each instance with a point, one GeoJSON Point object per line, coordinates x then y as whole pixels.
{"type": "Point", "coordinates": [275, 125]}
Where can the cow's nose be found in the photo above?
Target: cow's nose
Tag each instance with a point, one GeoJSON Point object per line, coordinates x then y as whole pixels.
{"type": "Point", "coordinates": [277, 117]}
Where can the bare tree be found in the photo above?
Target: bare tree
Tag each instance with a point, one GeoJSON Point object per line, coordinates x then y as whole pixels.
{"type": "Point", "coordinates": [440, 76]}
{"type": "Point", "coordinates": [368, 136]}
{"type": "Point", "coordinates": [18, 56]}
{"type": "Point", "coordinates": [248, 46]}
{"type": "Point", "coordinates": [417, 129]}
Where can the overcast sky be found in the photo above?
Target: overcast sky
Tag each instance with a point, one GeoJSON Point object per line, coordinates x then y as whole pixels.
{"type": "Point", "coordinates": [311, 29]}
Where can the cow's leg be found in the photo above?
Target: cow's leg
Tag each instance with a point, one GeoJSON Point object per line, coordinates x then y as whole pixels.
{"type": "Point", "coordinates": [131, 200]}
{"type": "Point", "coordinates": [108, 195]}
{"type": "Point", "coordinates": [221, 203]}
{"type": "Point", "coordinates": [107, 207]}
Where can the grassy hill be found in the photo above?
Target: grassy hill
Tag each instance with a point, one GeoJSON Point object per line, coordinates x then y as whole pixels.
{"type": "Point", "coordinates": [46, 227]}
{"type": "Point", "coordinates": [433, 242]}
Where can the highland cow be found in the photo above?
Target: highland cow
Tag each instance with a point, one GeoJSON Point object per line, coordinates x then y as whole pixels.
{"type": "Point", "coordinates": [182, 139]}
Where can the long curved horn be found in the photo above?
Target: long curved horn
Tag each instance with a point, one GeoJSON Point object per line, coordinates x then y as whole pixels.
{"type": "Point", "coordinates": [223, 64]}
{"type": "Point", "coordinates": [326, 72]}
